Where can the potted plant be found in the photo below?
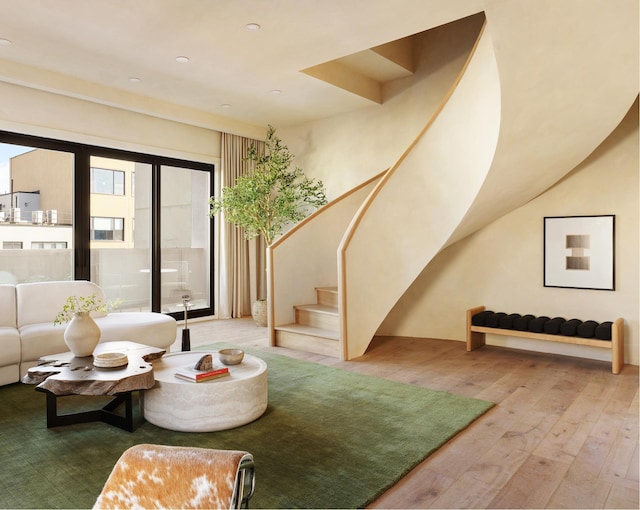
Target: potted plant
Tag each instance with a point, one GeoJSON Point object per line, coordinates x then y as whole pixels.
{"type": "Point", "coordinates": [272, 195]}
{"type": "Point", "coordinates": [82, 334]}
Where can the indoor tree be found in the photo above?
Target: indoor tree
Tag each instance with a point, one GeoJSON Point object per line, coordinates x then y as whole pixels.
{"type": "Point", "coordinates": [272, 195]}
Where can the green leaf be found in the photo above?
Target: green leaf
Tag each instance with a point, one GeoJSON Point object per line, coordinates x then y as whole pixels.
{"type": "Point", "coordinates": [272, 196]}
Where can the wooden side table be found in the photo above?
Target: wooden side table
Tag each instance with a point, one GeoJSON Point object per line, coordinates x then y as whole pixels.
{"type": "Point", "coordinates": [60, 375]}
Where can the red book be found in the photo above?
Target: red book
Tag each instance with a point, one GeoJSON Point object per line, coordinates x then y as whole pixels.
{"type": "Point", "coordinates": [191, 374]}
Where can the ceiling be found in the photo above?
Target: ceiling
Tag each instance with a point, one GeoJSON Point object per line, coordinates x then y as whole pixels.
{"type": "Point", "coordinates": [93, 49]}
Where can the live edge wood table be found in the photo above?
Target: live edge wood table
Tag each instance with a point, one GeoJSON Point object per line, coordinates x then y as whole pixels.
{"type": "Point", "coordinates": [60, 375]}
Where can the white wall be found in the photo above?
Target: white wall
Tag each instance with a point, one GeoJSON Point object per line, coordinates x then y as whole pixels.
{"type": "Point", "coordinates": [346, 150]}
{"type": "Point", "coordinates": [501, 265]}
{"type": "Point", "coordinates": [50, 115]}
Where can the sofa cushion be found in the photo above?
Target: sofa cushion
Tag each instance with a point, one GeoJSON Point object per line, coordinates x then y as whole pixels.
{"type": "Point", "coordinates": [40, 302]}
{"type": "Point", "coordinates": [149, 328]}
{"type": "Point", "coordinates": [8, 305]}
{"type": "Point", "coordinates": [41, 340]}
{"type": "Point", "coordinates": [9, 346]}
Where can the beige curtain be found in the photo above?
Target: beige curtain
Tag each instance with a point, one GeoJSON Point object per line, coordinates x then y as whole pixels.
{"type": "Point", "coordinates": [242, 263]}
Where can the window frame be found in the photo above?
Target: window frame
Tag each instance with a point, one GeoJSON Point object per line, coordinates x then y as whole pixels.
{"type": "Point", "coordinates": [81, 205]}
{"type": "Point", "coordinates": [113, 220]}
{"type": "Point", "coordinates": [112, 182]}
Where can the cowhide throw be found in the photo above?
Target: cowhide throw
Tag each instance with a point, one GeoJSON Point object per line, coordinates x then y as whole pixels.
{"type": "Point", "coordinates": [154, 476]}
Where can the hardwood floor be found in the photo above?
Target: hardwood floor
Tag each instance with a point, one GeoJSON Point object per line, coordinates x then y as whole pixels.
{"type": "Point", "coordinates": [564, 432]}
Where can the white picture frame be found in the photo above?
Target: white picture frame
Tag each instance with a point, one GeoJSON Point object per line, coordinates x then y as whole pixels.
{"type": "Point", "coordinates": [579, 252]}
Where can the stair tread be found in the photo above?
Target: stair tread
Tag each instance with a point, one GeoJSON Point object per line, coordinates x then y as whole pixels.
{"type": "Point", "coordinates": [309, 330]}
{"type": "Point", "coordinates": [314, 307]}
{"type": "Point", "coordinates": [328, 289]}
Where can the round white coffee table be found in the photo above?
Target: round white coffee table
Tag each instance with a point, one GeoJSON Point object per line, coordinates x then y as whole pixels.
{"type": "Point", "coordinates": [218, 404]}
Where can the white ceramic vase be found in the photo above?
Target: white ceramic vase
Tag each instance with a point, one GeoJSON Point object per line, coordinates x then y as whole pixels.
{"type": "Point", "coordinates": [82, 334]}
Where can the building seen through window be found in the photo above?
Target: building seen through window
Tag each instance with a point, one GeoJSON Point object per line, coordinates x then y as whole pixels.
{"type": "Point", "coordinates": [147, 268]}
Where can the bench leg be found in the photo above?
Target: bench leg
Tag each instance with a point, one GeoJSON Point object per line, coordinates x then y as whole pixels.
{"type": "Point", "coordinates": [617, 346]}
{"type": "Point", "coordinates": [474, 339]}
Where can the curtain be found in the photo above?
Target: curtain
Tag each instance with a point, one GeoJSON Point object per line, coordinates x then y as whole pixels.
{"type": "Point", "coordinates": [242, 263]}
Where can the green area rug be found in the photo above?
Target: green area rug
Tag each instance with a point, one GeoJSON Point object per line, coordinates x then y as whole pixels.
{"type": "Point", "coordinates": [329, 439]}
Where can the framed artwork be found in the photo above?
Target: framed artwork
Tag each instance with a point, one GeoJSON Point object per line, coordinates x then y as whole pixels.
{"type": "Point", "coordinates": [579, 252]}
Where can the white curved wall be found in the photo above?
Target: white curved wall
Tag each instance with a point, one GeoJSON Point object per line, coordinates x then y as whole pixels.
{"type": "Point", "coordinates": [569, 73]}
{"type": "Point", "coordinates": [347, 150]}
{"type": "Point", "coordinates": [500, 266]}
{"type": "Point", "coordinates": [422, 202]}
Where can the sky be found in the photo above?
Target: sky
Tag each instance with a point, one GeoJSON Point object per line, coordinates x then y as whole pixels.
{"type": "Point", "coordinates": [8, 151]}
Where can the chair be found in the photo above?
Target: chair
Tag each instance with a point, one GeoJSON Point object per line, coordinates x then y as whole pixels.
{"type": "Point", "coordinates": [155, 476]}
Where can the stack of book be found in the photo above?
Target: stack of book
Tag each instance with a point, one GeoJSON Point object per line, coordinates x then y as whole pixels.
{"type": "Point", "coordinates": [190, 373]}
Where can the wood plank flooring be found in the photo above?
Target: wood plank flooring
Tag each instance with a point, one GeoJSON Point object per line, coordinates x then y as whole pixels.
{"type": "Point", "coordinates": [564, 432]}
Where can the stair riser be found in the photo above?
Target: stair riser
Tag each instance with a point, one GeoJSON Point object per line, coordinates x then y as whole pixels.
{"type": "Point", "coordinates": [327, 297]}
{"type": "Point", "coordinates": [317, 320]}
{"type": "Point", "coordinates": [306, 343]}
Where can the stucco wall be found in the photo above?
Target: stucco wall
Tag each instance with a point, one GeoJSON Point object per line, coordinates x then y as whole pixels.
{"type": "Point", "coordinates": [346, 150]}
{"type": "Point", "coordinates": [501, 265]}
{"type": "Point", "coordinates": [50, 115]}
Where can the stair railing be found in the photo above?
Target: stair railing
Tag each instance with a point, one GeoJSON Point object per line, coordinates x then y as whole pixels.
{"type": "Point", "coordinates": [305, 256]}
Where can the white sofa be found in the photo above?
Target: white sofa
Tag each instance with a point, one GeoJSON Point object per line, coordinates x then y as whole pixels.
{"type": "Point", "coordinates": [27, 332]}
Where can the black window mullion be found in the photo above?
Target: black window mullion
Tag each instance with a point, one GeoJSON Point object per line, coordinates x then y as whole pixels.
{"type": "Point", "coordinates": [155, 239]}
{"type": "Point", "coordinates": [82, 215]}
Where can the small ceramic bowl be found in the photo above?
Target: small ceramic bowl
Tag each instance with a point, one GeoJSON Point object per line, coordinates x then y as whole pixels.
{"type": "Point", "coordinates": [231, 356]}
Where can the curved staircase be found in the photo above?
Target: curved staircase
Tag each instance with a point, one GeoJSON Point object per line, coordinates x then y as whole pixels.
{"type": "Point", "coordinates": [316, 327]}
{"type": "Point", "coordinates": [477, 158]}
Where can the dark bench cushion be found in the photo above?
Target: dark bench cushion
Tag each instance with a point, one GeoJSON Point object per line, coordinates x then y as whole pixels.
{"type": "Point", "coordinates": [493, 320]}
{"type": "Point", "coordinates": [603, 331]}
{"type": "Point", "coordinates": [536, 325]}
{"type": "Point", "coordinates": [480, 318]}
{"type": "Point", "coordinates": [522, 323]}
{"type": "Point", "coordinates": [507, 321]}
{"type": "Point", "coordinates": [587, 329]}
{"type": "Point", "coordinates": [570, 327]}
{"type": "Point", "coordinates": [552, 326]}
{"type": "Point", "coordinates": [543, 324]}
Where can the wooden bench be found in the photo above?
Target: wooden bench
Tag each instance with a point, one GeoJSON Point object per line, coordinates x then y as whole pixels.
{"type": "Point", "coordinates": [476, 337]}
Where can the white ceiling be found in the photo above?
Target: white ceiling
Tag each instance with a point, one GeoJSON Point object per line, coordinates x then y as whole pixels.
{"type": "Point", "coordinates": [91, 49]}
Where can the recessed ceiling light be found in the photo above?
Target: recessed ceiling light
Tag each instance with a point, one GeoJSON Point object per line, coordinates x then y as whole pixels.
{"type": "Point", "coordinates": [225, 105]}
{"type": "Point", "coordinates": [252, 26]}
{"type": "Point", "coordinates": [182, 60]}
{"type": "Point", "coordinates": [276, 92]}
{"type": "Point", "coordinates": [133, 79]}
{"type": "Point", "coordinates": [5, 42]}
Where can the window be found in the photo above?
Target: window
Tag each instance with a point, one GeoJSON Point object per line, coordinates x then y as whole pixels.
{"type": "Point", "coordinates": [107, 229]}
{"type": "Point", "coordinates": [90, 198]}
{"type": "Point", "coordinates": [185, 238]}
{"type": "Point", "coordinates": [107, 182]}
{"type": "Point", "coordinates": [49, 245]}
